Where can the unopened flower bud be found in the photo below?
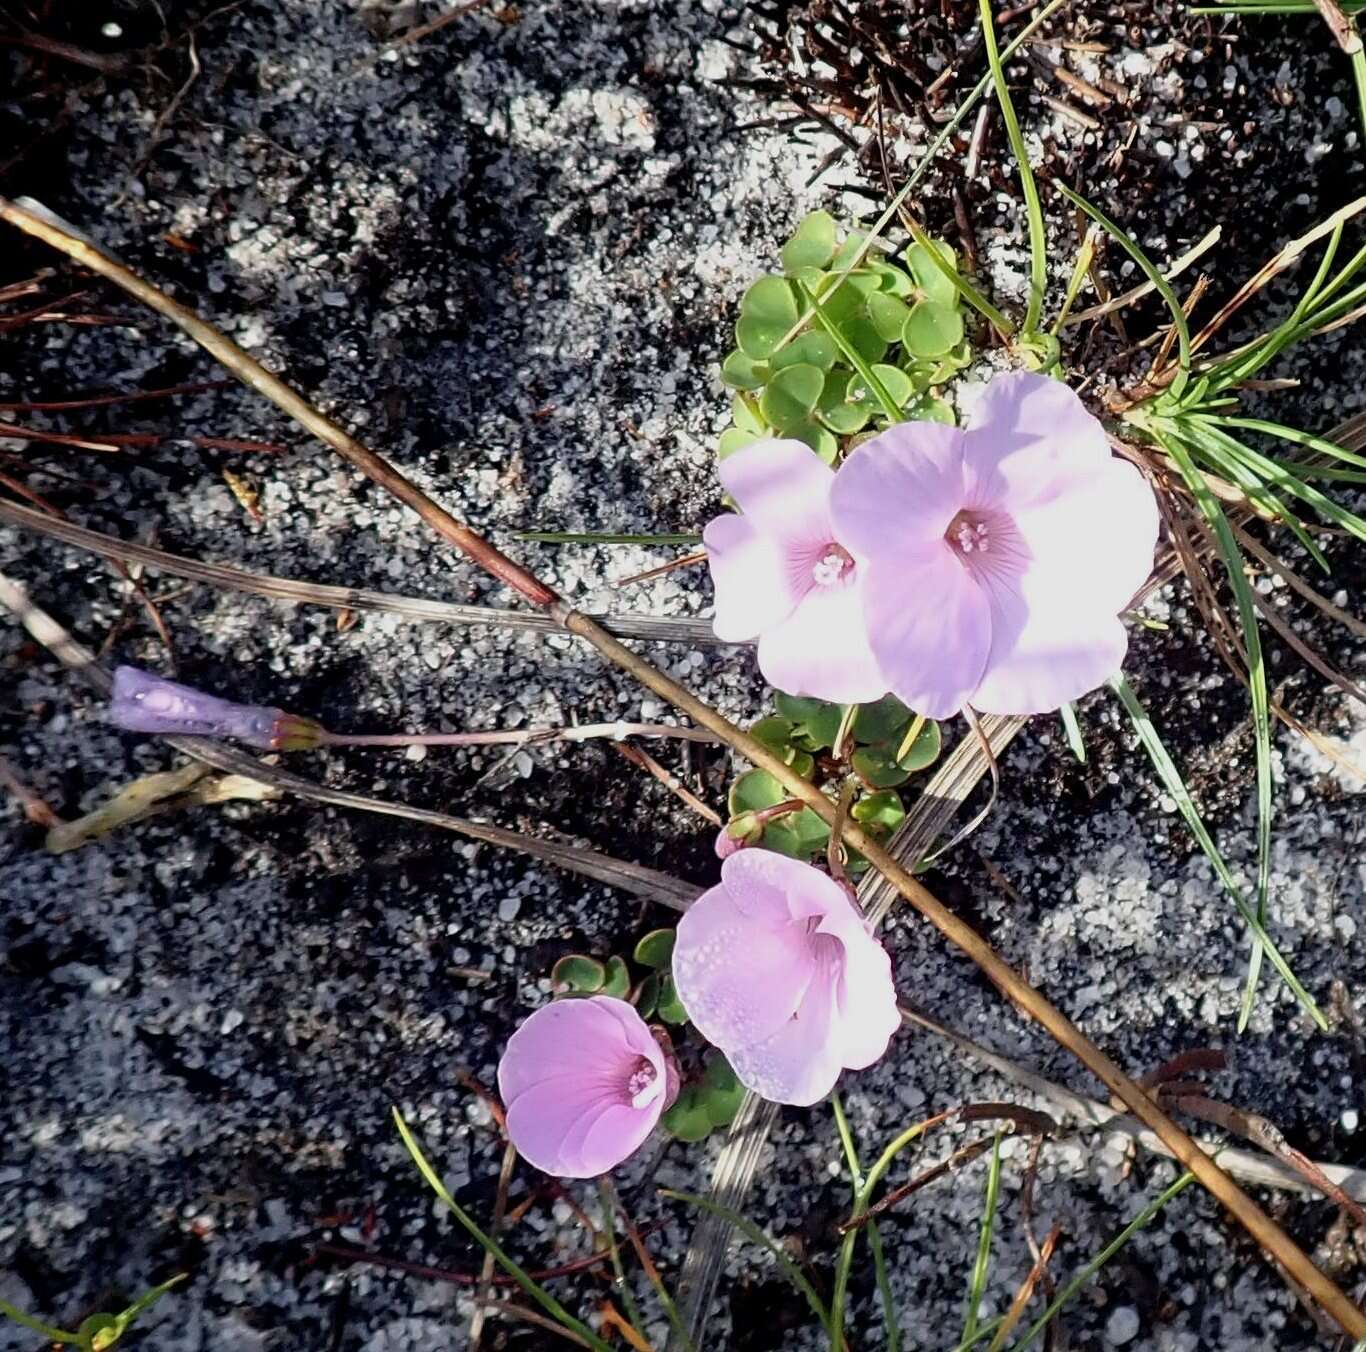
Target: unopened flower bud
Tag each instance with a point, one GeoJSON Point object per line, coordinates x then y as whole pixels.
{"type": "Point", "coordinates": [746, 829]}
{"type": "Point", "coordinates": [143, 702]}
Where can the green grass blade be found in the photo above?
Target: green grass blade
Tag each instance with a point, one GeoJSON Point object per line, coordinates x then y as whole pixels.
{"type": "Point", "coordinates": [884, 1285]}
{"type": "Point", "coordinates": [1290, 434]}
{"type": "Point", "coordinates": [48, 1331]}
{"type": "Point", "coordinates": [756, 1236]}
{"type": "Point", "coordinates": [1256, 671]}
{"type": "Point", "coordinates": [1146, 265]}
{"type": "Point", "coordinates": [982, 1265]}
{"type": "Point", "coordinates": [1144, 1218]}
{"type": "Point", "coordinates": [539, 1294]}
{"type": "Point", "coordinates": [853, 356]}
{"type": "Point", "coordinates": [1073, 730]}
{"type": "Point", "coordinates": [965, 288]}
{"type": "Point", "coordinates": [609, 1224]}
{"type": "Point", "coordinates": [558, 537]}
{"type": "Point", "coordinates": [1176, 787]}
{"type": "Point", "coordinates": [1038, 239]}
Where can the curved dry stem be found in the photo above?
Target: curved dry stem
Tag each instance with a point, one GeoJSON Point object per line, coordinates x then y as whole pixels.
{"type": "Point", "coordinates": [1274, 1240]}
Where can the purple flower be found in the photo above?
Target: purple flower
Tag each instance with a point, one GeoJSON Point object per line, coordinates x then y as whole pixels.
{"type": "Point", "coordinates": [584, 1082]}
{"type": "Point", "coordinates": [784, 576]}
{"type": "Point", "coordinates": [143, 702]}
{"type": "Point", "coordinates": [776, 968]}
{"type": "Point", "coordinates": [999, 556]}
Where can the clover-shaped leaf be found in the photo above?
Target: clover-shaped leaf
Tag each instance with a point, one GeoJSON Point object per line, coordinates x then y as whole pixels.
{"type": "Point", "coordinates": [845, 406]}
{"type": "Point", "coordinates": [816, 720]}
{"type": "Point", "coordinates": [721, 1091]}
{"type": "Point", "coordinates": [929, 278]}
{"type": "Point", "coordinates": [791, 395]}
{"type": "Point", "coordinates": [617, 982]}
{"type": "Point", "coordinates": [734, 439]}
{"type": "Point", "coordinates": [812, 348]}
{"type": "Point", "coordinates": [884, 766]}
{"type": "Point", "coordinates": [928, 408]}
{"type": "Point", "coordinates": [815, 436]}
{"type": "Point", "coordinates": [880, 813]}
{"type": "Point", "coordinates": [742, 372]}
{"type": "Point", "coordinates": [813, 245]}
{"type": "Point", "coordinates": [767, 311]}
{"type": "Point", "coordinates": [932, 328]}
{"type": "Point", "coordinates": [898, 385]}
{"type": "Point", "coordinates": [669, 1007]}
{"type": "Point", "coordinates": [889, 316]}
{"type": "Point", "coordinates": [688, 1118]}
{"type": "Point", "coordinates": [745, 415]}
{"type": "Point", "coordinates": [880, 720]}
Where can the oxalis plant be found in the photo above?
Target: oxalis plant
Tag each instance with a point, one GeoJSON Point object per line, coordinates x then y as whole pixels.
{"type": "Point", "coordinates": [898, 571]}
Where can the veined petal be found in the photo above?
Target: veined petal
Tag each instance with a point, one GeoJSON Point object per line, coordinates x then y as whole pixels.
{"type": "Point", "coordinates": [756, 586]}
{"type": "Point", "coordinates": [782, 486]}
{"type": "Point", "coordinates": [865, 1013]}
{"type": "Point", "coordinates": [1095, 537]}
{"type": "Point", "coordinates": [1027, 438]}
{"type": "Point", "coordinates": [567, 1039]}
{"type": "Point", "coordinates": [899, 491]}
{"type": "Point", "coordinates": [569, 1132]}
{"type": "Point", "coordinates": [929, 626]}
{"type": "Point", "coordinates": [800, 1062]}
{"type": "Point", "coordinates": [775, 890]}
{"type": "Point", "coordinates": [739, 978]}
{"type": "Point", "coordinates": [821, 649]}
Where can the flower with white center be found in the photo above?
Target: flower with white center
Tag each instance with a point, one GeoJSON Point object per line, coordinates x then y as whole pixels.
{"type": "Point", "coordinates": [584, 1082]}
{"type": "Point", "coordinates": [785, 576]}
{"type": "Point", "coordinates": [996, 558]}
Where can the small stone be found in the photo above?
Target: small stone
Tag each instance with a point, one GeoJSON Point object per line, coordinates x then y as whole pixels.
{"type": "Point", "coordinates": [1122, 1326]}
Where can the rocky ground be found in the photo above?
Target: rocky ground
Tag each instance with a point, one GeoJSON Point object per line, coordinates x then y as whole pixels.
{"type": "Point", "coordinates": [508, 254]}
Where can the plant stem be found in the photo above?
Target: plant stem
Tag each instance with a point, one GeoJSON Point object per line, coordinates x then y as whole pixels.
{"type": "Point", "coordinates": [1259, 1225]}
{"type": "Point", "coordinates": [584, 732]}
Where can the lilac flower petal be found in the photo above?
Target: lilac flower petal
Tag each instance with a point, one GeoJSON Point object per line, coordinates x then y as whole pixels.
{"type": "Point", "coordinates": [775, 890]}
{"type": "Point", "coordinates": [898, 491]}
{"type": "Point", "coordinates": [800, 1063]}
{"type": "Point", "coordinates": [144, 702]}
{"type": "Point", "coordinates": [755, 587]}
{"type": "Point", "coordinates": [783, 487]}
{"type": "Point", "coordinates": [865, 1013]}
{"type": "Point", "coordinates": [775, 968]}
{"type": "Point", "coordinates": [1096, 534]}
{"type": "Point", "coordinates": [1028, 437]}
{"type": "Point", "coordinates": [821, 649]}
{"type": "Point", "coordinates": [929, 625]}
{"type": "Point", "coordinates": [566, 1077]}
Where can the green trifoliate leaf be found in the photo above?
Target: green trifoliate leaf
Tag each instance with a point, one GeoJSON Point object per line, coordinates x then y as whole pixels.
{"type": "Point", "coordinates": [791, 395]}
{"type": "Point", "coordinates": [767, 312]}
{"type": "Point", "coordinates": [932, 329]}
{"type": "Point", "coordinates": [889, 316]}
{"type": "Point", "coordinates": [929, 279]}
{"type": "Point", "coordinates": [742, 372]}
{"type": "Point", "coordinates": [896, 382]}
{"type": "Point", "coordinates": [812, 349]}
{"type": "Point", "coordinates": [813, 245]}
{"type": "Point", "coordinates": [656, 949]}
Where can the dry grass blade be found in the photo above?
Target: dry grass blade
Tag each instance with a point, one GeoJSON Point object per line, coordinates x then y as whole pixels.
{"type": "Point", "coordinates": [1026, 1292]}
{"type": "Point", "coordinates": [662, 629]}
{"type": "Point", "coordinates": [1145, 288]}
{"type": "Point", "coordinates": [1267, 1233]}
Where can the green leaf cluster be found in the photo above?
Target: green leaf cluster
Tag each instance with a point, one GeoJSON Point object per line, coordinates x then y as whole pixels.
{"type": "Point", "coordinates": [654, 996]}
{"type": "Point", "coordinates": [901, 315]}
{"type": "Point", "coordinates": [706, 1104]}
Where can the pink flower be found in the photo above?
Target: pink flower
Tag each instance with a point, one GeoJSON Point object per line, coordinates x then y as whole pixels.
{"type": "Point", "coordinates": [776, 968]}
{"type": "Point", "coordinates": [584, 1083]}
{"type": "Point", "coordinates": [785, 577]}
{"type": "Point", "coordinates": [999, 556]}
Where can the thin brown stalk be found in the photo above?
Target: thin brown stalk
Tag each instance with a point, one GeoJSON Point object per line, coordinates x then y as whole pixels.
{"type": "Point", "coordinates": [35, 809]}
{"type": "Point", "coordinates": [1274, 564]}
{"type": "Point", "coordinates": [102, 400]}
{"type": "Point", "coordinates": [1270, 1236]}
{"type": "Point", "coordinates": [670, 781]}
{"type": "Point", "coordinates": [1144, 288]}
{"type": "Point", "coordinates": [486, 1274]}
{"type": "Point", "coordinates": [1026, 1292]}
{"type": "Point", "coordinates": [1344, 31]}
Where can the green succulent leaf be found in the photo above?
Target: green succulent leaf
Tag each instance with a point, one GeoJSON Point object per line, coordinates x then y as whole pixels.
{"type": "Point", "coordinates": [578, 973]}
{"type": "Point", "coordinates": [878, 767]}
{"type": "Point", "coordinates": [734, 439]}
{"type": "Point", "coordinates": [742, 372]}
{"type": "Point", "coordinates": [932, 329]}
{"type": "Point", "coordinates": [774, 732]}
{"type": "Point", "coordinates": [669, 1007]}
{"type": "Point", "coordinates": [655, 949]}
{"type": "Point", "coordinates": [929, 408]}
{"type": "Point", "coordinates": [618, 981]}
{"type": "Point", "coordinates": [817, 437]}
{"type": "Point", "coordinates": [847, 251]}
{"type": "Point", "coordinates": [753, 791]}
{"type": "Point", "coordinates": [721, 1091]}
{"type": "Point", "coordinates": [841, 413]}
{"type": "Point", "coordinates": [816, 719]}
{"type": "Point", "coordinates": [745, 415]}
{"type": "Point", "coordinates": [647, 996]}
{"type": "Point", "coordinates": [931, 281]}
{"type": "Point", "coordinates": [896, 382]}
{"type": "Point", "coordinates": [688, 1118]}
{"type": "Point", "coordinates": [889, 316]}
{"type": "Point", "coordinates": [892, 279]}
{"type": "Point", "coordinates": [864, 338]}
{"type": "Point", "coordinates": [791, 395]}
{"type": "Point", "coordinates": [881, 812]}
{"type": "Point", "coordinates": [882, 719]}
{"type": "Point", "coordinates": [767, 312]}
{"type": "Point", "coordinates": [799, 835]}
{"type": "Point", "coordinates": [812, 349]}
{"type": "Point", "coordinates": [813, 245]}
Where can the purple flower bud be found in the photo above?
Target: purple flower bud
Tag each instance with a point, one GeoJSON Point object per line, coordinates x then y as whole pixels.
{"type": "Point", "coordinates": [143, 702]}
{"type": "Point", "coordinates": [736, 834]}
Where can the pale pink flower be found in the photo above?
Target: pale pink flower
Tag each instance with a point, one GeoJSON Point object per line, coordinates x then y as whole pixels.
{"type": "Point", "coordinates": [998, 556]}
{"type": "Point", "coordinates": [584, 1082]}
{"type": "Point", "coordinates": [784, 576]}
{"type": "Point", "coordinates": [776, 967]}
